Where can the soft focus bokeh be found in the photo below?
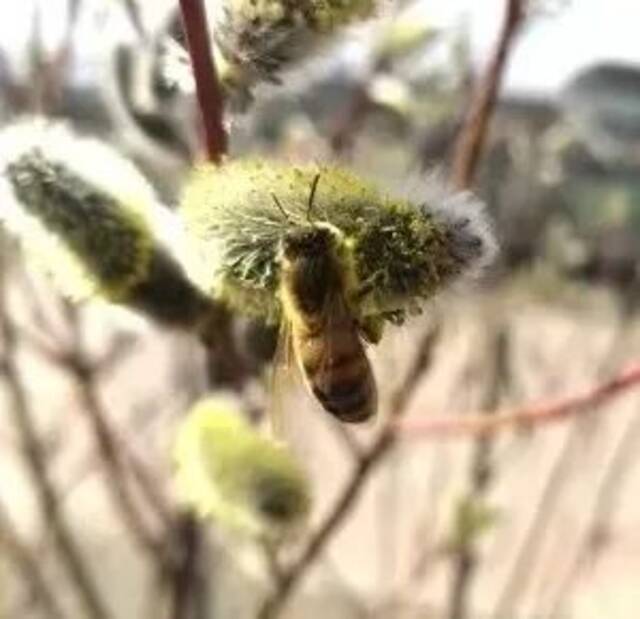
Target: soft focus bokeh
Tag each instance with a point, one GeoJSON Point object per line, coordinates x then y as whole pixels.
{"type": "Point", "coordinates": [539, 522]}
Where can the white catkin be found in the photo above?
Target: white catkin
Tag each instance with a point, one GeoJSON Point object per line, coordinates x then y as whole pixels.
{"type": "Point", "coordinates": [471, 228]}
{"type": "Point", "coordinates": [98, 164]}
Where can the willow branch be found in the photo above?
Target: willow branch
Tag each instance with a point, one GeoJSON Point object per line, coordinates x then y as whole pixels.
{"type": "Point", "coordinates": [481, 469]}
{"type": "Point", "coordinates": [210, 100]}
{"type": "Point", "coordinates": [29, 566]}
{"type": "Point", "coordinates": [537, 530]}
{"type": "Point", "coordinates": [133, 13]}
{"type": "Point", "coordinates": [148, 484]}
{"type": "Point", "coordinates": [108, 447]}
{"type": "Point", "coordinates": [114, 452]}
{"type": "Point", "coordinates": [594, 534]}
{"type": "Point", "coordinates": [468, 148]}
{"type": "Point", "coordinates": [535, 415]}
{"type": "Point", "coordinates": [71, 557]}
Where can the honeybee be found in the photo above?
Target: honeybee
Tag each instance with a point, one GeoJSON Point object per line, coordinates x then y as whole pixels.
{"type": "Point", "coordinates": [366, 260]}
{"type": "Point", "coordinates": [316, 282]}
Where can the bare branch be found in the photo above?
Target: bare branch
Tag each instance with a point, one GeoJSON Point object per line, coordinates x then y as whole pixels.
{"type": "Point", "coordinates": [86, 376]}
{"type": "Point", "coordinates": [194, 19]}
{"type": "Point", "coordinates": [117, 483]}
{"type": "Point", "coordinates": [545, 505]}
{"type": "Point", "coordinates": [479, 424]}
{"type": "Point", "coordinates": [594, 535]}
{"type": "Point", "coordinates": [66, 545]}
{"type": "Point", "coordinates": [468, 148]}
{"type": "Point", "coordinates": [132, 9]}
{"type": "Point", "coordinates": [185, 573]}
{"type": "Point", "coordinates": [29, 566]}
{"type": "Point", "coordinates": [481, 472]}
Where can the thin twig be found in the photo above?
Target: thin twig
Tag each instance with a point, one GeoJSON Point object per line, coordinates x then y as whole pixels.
{"type": "Point", "coordinates": [149, 484]}
{"type": "Point", "coordinates": [292, 575]}
{"type": "Point", "coordinates": [82, 372]}
{"type": "Point", "coordinates": [66, 545]}
{"type": "Point", "coordinates": [71, 359]}
{"type": "Point", "coordinates": [194, 19]}
{"type": "Point", "coordinates": [114, 453]}
{"type": "Point", "coordinates": [133, 13]}
{"type": "Point", "coordinates": [468, 148]}
{"type": "Point", "coordinates": [29, 565]}
{"type": "Point", "coordinates": [608, 490]}
{"type": "Point", "coordinates": [537, 530]}
{"type": "Point", "coordinates": [185, 575]}
{"type": "Point", "coordinates": [481, 472]}
{"type": "Point", "coordinates": [478, 424]}
{"type": "Point", "coordinates": [594, 533]}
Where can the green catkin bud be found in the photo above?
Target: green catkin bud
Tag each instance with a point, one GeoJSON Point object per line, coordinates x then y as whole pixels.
{"type": "Point", "coordinates": [226, 470]}
{"type": "Point", "coordinates": [472, 518]}
{"type": "Point", "coordinates": [87, 216]}
{"type": "Point", "coordinates": [401, 252]}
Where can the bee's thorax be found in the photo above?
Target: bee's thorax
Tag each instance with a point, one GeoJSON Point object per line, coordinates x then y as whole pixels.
{"type": "Point", "coordinates": [310, 271]}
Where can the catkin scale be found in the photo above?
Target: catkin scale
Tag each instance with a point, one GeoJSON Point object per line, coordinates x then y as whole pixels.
{"type": "Point", "coordinates": [399, 252]}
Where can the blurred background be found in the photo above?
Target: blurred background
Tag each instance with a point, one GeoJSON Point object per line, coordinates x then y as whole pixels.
{"type": "Point", "coordinates": [532, 523]}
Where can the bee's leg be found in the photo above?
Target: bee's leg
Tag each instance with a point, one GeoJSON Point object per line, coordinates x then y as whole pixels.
{"type": "Point", "coordinates": [396, 317]}
{"type": "Point", "coordinates": [371, 328]}
{"type": "Point", "coordinates": [365, 289]}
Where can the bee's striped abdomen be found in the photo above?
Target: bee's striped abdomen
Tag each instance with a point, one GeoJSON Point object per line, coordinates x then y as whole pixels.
{"type": "Point", "coordinates": [341, 379]}
{"type": "Point", "coordinates": [325, 336]}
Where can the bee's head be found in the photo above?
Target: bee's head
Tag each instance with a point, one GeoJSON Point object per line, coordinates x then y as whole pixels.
{"type": "Point", "coordinates": [308, 241]}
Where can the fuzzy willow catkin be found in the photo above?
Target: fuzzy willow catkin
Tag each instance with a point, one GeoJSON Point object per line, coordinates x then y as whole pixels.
{"type": "Point", "coordinates": [86, 216]}
{"type": "Point", "coordinates": [255, 41]}
{"type": "Point", "coordinates": [399, 252]}
{"type": "Point", "coordinates": [228, 471]}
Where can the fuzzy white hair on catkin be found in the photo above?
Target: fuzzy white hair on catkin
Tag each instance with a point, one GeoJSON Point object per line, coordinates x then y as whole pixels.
{"type": "Point", "coordinates": [465, 216]}
{"type": "Point", "coordinates": [175, 67]}
{"type": "Point", "coordinates": [17, 141]}
{"type": "Point", "coordinates": [97, 163]}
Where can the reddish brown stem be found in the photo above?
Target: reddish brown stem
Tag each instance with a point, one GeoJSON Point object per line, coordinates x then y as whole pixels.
{"type": "Point", "coordinates": [210, 101]}
{"type": "Point", "coordinates": [479, 424]}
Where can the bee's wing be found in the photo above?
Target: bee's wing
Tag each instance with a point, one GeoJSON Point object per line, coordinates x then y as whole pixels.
{"type": "Point", "coordinates": [284, 377]}
{"type": "Point", "coordinates": [296, 416]}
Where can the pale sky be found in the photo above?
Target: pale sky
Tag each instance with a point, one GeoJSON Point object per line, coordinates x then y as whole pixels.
{"type": "Point", "coordinates": [547, 53]}
{"type": "Point", "coordinates": [553, 47]}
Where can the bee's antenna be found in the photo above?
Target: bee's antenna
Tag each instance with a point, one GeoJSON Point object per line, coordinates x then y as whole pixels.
{"type": "Point", "coordinates": [312, 195]}
{"type": "Point", "coordinates": [281, 208]}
